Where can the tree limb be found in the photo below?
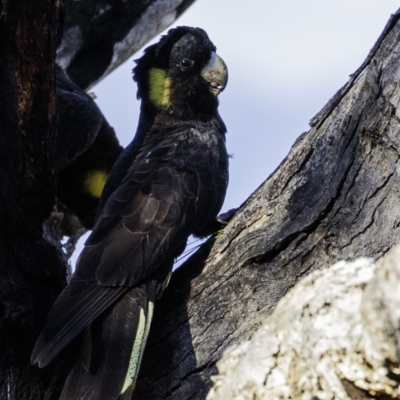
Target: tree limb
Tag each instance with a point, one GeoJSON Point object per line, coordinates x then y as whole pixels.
{"type": "Point", "coordinates": [101, 35]}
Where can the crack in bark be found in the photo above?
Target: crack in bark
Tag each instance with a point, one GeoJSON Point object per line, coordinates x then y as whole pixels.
{"type": "Point", "coordinates": [304, 272]}
{"type": "Point", "coordinates": [209, 325]}
{"type": "Point", "coordinates": [379, 188]}
{"type": "Point", "coordinates": [367, 226]}
{"type": "Point", "coordinates": [170, 333]}
{"type": "Point", "coordinates": [305, 160]}
{"type": "Point", "coordinates": [216, 286]}
{"type": "Point", "coordinates": [224, 344]}
{"type": "Point", "coordinates": [197, 370]}
{"type": "Point", "coordinates": [285, 242]}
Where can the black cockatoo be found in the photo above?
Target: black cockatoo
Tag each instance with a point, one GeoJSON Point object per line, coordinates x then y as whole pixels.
{"type": "Point", "coordinates": [85, 152]}
{"type": "Point", "coordinates": [169, 183]}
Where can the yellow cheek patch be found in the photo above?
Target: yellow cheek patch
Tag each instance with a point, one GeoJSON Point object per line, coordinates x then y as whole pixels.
{"type": "Point", "coordinates": [159, 88]}
{"type": "Point", "coordinates": [94, 183]}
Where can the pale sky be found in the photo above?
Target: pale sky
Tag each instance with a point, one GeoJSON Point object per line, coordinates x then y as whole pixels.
{"type": "Point", "coordinates": [286, 59]}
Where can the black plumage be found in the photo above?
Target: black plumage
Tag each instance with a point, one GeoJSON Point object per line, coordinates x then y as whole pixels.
{"type": "Point", "coordinates": [170, 182]}
{"type": "Point", "coordinates": [86, 149]}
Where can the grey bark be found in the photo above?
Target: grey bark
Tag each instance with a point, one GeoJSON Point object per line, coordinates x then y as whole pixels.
{"type": "Point", "coordinates": [335, 335]}
{"type": "Point", "coordinates": [335, 196]}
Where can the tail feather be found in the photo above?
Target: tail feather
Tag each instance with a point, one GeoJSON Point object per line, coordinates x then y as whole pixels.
{"type": "Point", "coordinates": [137, 354]}
{"type": "Point", "coordinates": [68, 317]}
{"type": "Point", "coordinates": [110, 363]}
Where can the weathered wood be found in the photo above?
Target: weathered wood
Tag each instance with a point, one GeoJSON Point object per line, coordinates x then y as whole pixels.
{"type": "Point", "coordinates": [335, 335]}
{"type": "Point", "coordinates": [101, 35]}
{"type": "Point", "coordinates": [335, 196]}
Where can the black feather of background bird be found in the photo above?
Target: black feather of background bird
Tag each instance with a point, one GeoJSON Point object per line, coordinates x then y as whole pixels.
{"type": "Point", "coordinates": [86, 150]}
{"type": "Point", "coordinates": [170, 182]}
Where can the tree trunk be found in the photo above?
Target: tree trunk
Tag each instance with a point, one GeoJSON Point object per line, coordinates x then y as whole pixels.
{"type": "Point", "coordinates": [335, 196]}
{"type": "Point", "coordinates": [31, 270]}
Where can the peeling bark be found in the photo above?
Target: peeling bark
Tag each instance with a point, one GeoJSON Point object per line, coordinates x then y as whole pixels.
{"type": "Point", "coordinates": [334, 197]}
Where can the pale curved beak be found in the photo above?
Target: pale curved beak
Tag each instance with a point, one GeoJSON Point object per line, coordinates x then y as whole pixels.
{"type": "Point", "coordinates": [215, 73]}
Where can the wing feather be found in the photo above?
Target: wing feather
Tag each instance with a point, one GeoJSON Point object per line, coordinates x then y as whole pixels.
{"type": "Point", "coordinates": [69, 316]}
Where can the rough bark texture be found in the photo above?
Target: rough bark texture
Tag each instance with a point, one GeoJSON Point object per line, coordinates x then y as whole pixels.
{"type": "Point", "coordinates": [335, 335]}
{"type": "Point", "coordinates": [99, 35]}
{"type": "Point", "coordinates": [31, 270]}
{"type": "Point", "coordinates": [334, 197]}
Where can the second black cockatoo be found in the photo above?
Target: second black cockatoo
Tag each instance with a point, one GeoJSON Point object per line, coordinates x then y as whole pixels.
{"type": "Point", "coordinates": [169, 183]}
{"type": "Point", "coordinates": [86, 149]}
